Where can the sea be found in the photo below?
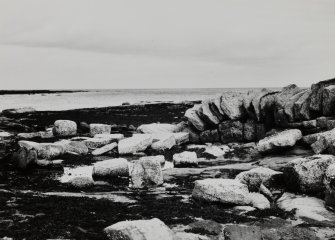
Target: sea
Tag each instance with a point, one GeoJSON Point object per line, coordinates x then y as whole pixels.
{"type": "Point", "coordinates": [108, 97]}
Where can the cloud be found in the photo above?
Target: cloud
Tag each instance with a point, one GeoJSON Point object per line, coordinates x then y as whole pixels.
{"type": "Point", "coordinates": [215, 43]}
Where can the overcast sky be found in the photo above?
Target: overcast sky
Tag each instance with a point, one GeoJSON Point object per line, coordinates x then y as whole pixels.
{"type": "Point", "coordinates": [71, 44]}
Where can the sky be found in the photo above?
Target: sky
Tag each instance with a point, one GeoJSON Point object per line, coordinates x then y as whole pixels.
{"type": "Point", "coordinates": [85, 44]}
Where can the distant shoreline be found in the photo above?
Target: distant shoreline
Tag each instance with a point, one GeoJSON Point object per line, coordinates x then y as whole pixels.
{"type": "Point", "coordinates": [17, 92]}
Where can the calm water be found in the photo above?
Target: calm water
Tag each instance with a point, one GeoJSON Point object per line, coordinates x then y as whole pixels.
{"type": "Point", "coordinates": [105, 98]}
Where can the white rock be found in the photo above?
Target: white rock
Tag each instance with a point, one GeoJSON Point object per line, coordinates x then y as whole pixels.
{"type": "Point", "coordinates": [96, 142]}
{"type": "Point", "coordinates": [112, 137]}
{"type": "Point", "coordinates": [258, 201]}
{"type": "Point", "coordinates": [153, 229]}
{"type": "Point", "coordinates": [112, 168]}
{"type": "Point", "coordinates": [286, 138]}
{"type": "Point", "coordinates": [226, 191]}
{"type": "Point", "coordinates": [134, 144]}
{"type": "Point", "coordinates": [104, 149]}
{"type": "Point", "coordinates": [65, 128]}
{"type": "Point", "coordinates": [96, 128]}
{"type": "Point", "coordinates": [146, 172]}
{"type": "Point", "coordinates": [74, 146]}
{"type": "Point", "coordinates": [5, 134]}
{"type": "Point", "coordinates": [50, 150]}
{"type": "Point", "coordinates": [181, 138]}
{"type": "Point", "coordinates": [157, 128]}
{"type": "Point", "coordinates": [256, 176]}
{"type": "Point", "coordinates": [167, 141]}
{"type": "Point", "coordinates": [29, 144]}
{"type": "Point", "coordinates": [310, 171]}
{"type": "Point", "coordinates": [193, 117]}
{"type": "Point", "coordinates": [81, 182]}
{"type": "Point", "coordinates": [215, 151]}
{"type": "Point", "coordinates": [185, 159]}
{"type": "Point", "coordinates": [305, 207]}
{"type": "Point", "coordinates": [159, 158]}
{"type": "Point", "coordinates": [28, 135]}
{"type": "Point", "coordinates": [190, 236]}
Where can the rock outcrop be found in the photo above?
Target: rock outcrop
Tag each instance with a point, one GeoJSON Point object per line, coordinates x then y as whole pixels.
{"type": "Point", "coordinates": [146, 172]}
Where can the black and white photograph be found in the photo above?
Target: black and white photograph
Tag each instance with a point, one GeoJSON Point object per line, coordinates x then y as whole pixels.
{"type": "Point", "coordinates": [167, 119]}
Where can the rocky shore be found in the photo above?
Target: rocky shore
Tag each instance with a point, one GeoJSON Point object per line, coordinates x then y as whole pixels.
{"type": "Point", "coordinates": [255, 165]}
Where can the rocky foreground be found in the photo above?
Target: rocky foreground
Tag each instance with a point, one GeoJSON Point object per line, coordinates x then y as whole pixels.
{"type": "Point", "coordinates": [256, 165]}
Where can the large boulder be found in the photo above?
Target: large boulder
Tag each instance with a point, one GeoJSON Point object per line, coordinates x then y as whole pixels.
{"type": "Point", "coordinates": [305, 207]}
{"type": "Point", "coordinates": [181, 137]}
{"type": "Point", "coordinates": [157, 128]}
{"type": "Point", "coordinates": [232, 105]}
{"type": "Point", "coordinates": [286, 138]}
{"type": "Point", "coordinates": [208, 113]}
{"type": "Point", "coordinates": [153, 229]}
{"type": "Point", "coordinates": [146, 172]}
{"type": "Point", "coordinates": [317, 94]}
{"type": "Point", "coordinates": [65, 128]}
{"type": "Point", "coordinates": [226, 191]}
{"type": "Point", "coordinates": [307, 174]}
{"type": "Point", "coordinates": [163, 141]}
{"type": "Point", "coordinates": [257, 176]}
{"type": "Point", "coordinates": [289, 106]}
{"type": "Point", "coordinates": [301, 106]}
{"type": "Point", "coordinates": [320, 141]}
{"type": "Point", "coordinates": [231, 131]}
{"type": "Point", "coordinates": [185, 159]}
{"type": "Point", "coordinates": [329, 181]}
{"type": "Point", "coordinates": [74, 147]}
{"type": "Point", "coordinates": [134, 144]}
{"type": "Point", "coordinates": [112, 168]}
{"type": "Point", "coordinates": [96, 128]}
{"type": "Point", "coordinates": [50, 150]}
{"type": "Point", "coordinates": [24, 157]}
{"type": "Point", "coordinates": [328, 100]}
{"type": "Point", "coordinates": [104, 149]}
{"type": "Point", "coordinates": [194, 117]}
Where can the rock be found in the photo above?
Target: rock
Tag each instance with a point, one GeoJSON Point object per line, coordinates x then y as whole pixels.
{"type": "Point", "coordinates": [206, 226]}
{"type": "Point", "coordinates": [329, 182]}
{"type": "Point", "coordinates": [258, 201]}
{"type": "Point", "coordinates": [289, 106]}
{"type": "Point", "coordinates": [185, 159]}
{"type": "Point", "coordinates": [307, 174]}
{"type": "Point", "coordinates": [94, 143]}
{"type": "Point", "coordinates": [193, 117]}
{"type": "Point", "coordinates": [330, 124]}
{"type": "Point", "coordinates": [301, 106]}
{"type": "Point", "coordinates": [65, 128]}
{"type": "Point", "coordinates": [181, 138]}
{"type": "Point", "coordinates": [111, 137]}
{"type": "Point", "coordinates": [14, 111]}
{"type": "Point", "coordinates": [189, 236]}
{"type": "Point", "coordinates": [159, 158]}
{"type": "Point", "coordinates": [50, 150]}
{"type": "Point", "coordinates": [24, 157]}
{"type": "Point", "coordinates": [254, 107]}
{"type": "Point", "coordinates": [157, 128]}
{"type": "Point", "coordinates": [152, 229]}
{"type": "Point", "coordinates": [286, 138]}
{"type": "Point", "coordinates": [210, 136]}
{"type": "Point", "coordinates": [257, 176]}
{"type": "Point", "coordinates": [241, 232]}
{"type": "Point", "coordinates": [328, 100]}
{"type": "Point", "coordinates": [249, 130]}
{"type": "Point", "coordinates": [305, 207]}
{"type": "Point", "coordinates": [104, 149]}
{"type": "Point", "coordinates": [112, 168]}
{"type": "Point", "coordinates": [216, 151]}
{"type": "Point", "coordinates": [29, 144]}
{"type": "Point", "coordinates": [317, 94]}
{"type": "Point", "coordinates": [81, 182]}
{"type": "Point", "coordinates": [146, 172]}
{"type": "Point", "coordinates": [96, 128]}
{"type": "Point", "coordinates": [74, 147]}
{"type": "Point", "coordinates": [134, 144]}
{"type": "Point", "coordinates": [194, 136]}
{"type": "Point", "coordinates": [208, 113]}
{"type": "Point", "coordinates": [260, 131]}
{"type": "Point", "coordinates": [29, 135]}
{"type": "Point", "coordinates": [226, 191]}
{"type": "Point", "coordinates": [232, 105]}
{"type": "Point", "coordinates": [165, 141]}
{"type": "Point", "coordinates": [231, 131]}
